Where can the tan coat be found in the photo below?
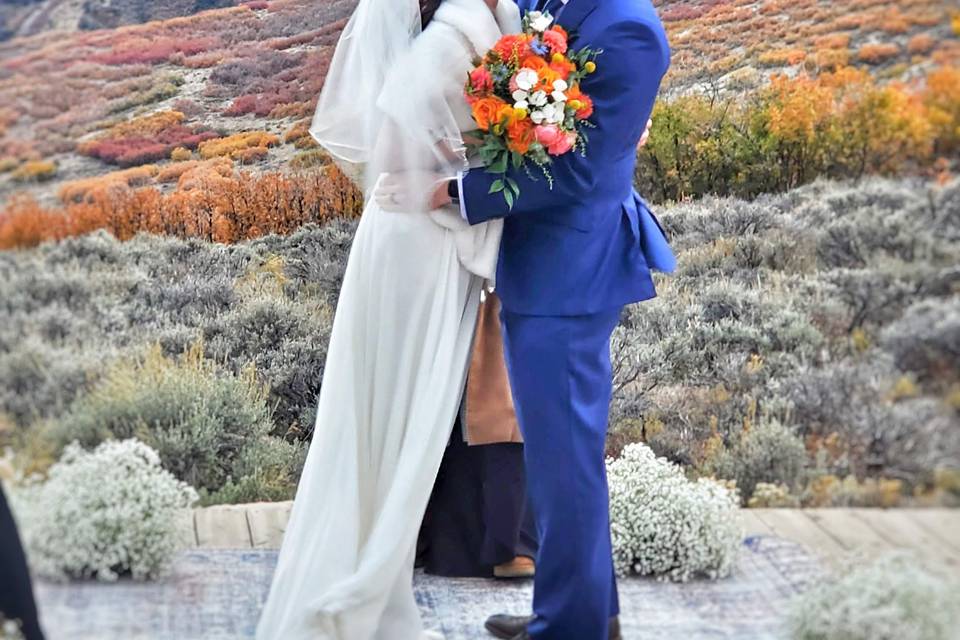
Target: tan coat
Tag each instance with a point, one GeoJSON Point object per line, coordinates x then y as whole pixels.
{"type": "Point", "coordinates": [489, 414]}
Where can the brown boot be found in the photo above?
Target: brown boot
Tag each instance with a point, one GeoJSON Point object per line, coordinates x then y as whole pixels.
{"type": "Point", "coordinates": [519, 567]}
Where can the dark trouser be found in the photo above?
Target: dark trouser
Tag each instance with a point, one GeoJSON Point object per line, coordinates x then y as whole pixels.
{"type": "Point", "coordinates": [16, 591]}
{"type": "Point", "coordinates": [560, 373]}
{"type": "Point", "coordinates": [478, 515]}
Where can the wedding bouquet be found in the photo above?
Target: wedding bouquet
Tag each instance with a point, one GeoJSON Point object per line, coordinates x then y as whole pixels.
{"type": "Point", "coordinates": [526, 100]}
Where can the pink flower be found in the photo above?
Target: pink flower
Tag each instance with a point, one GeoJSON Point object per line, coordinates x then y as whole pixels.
{"type": "Point", "coordinates": [481, 81]}
{"type": "Point", "coordinates": [562, 145]}
{"type": "Point", "coordinates": [556, 41]}
{"type": "Point", "coordinates": [548, 134]}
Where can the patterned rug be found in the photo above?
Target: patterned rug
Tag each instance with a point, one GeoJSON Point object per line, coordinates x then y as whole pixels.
{"type": "Point", "coordinates": [214, 595]}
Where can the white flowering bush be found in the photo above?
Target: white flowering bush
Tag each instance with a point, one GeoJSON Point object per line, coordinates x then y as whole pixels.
{"type": "Point", "coordinates": [666, 525]}
{"type": "Point", "coordinates": [103, 513]}
{"type": "Point", "coordinates": [10, 629]}
{"type": "Point", "coordinates": [893, 598]}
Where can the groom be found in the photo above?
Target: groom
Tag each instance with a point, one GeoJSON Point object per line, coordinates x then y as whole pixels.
{"type": "Point", "coordinates": [571, 258]}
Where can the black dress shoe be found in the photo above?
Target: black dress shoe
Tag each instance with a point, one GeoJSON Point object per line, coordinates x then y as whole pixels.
{"type": "Point", "coordinates": [507, 627]}
{"type": "Point", "coordinates": [515, 627]}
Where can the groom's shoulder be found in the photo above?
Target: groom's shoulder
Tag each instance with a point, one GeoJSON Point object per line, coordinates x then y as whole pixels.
{"type": "Point", "coordinates": [638, 14]}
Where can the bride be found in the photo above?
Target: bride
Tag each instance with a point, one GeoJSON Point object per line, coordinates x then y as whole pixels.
{"type": "Point", "coordinates": [392, 103]}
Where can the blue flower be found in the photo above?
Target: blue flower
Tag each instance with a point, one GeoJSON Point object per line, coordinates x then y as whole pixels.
{"type": "Point", "coordinates": [538, 48]}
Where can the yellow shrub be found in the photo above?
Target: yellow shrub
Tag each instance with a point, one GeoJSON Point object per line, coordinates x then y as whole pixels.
{"type": "Point", "coordinates": [35, 171]}
{"type": "Point", "coordinates": [310, 159]}
{"type": "Point", "coordinates": [181, 154]}
{"type": "Point", "coordinates": [233, 146]}
{"type": "Point", "coordinates": [146, 126]}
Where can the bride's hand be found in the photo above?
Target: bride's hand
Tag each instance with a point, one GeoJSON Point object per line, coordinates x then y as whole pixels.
{"type": "Point", "coordinates": [411, 192]}
{"type": "Point", "coordinates": [646, 136]}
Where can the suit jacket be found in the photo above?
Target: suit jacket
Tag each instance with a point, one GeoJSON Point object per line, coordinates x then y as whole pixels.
{"type": "Point", "coordinates": [580, 248]}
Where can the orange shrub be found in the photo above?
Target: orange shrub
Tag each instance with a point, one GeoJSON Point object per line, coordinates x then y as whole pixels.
{"type": "Point", "coordinates": [921, 44]}
{"type": "Point", "coordinates": [894, 22]}
{"type": "Point", "coordinates": [78, 190]}
{"type": "Point", "coordinates": [26, 224]}
{"type": "Point", "coordinates": [877, 53]}
{"type": "Point", "coordinates": [203, 173]}
{"type": "Point", "coordinates": [219, 209]}
{"type": "Point", "coordinates": [299, 136]}
{"type": "Point", "coordinates": [781, 57]}
{"type": "Point", "coordinates": [942, 100]}
{"type": "Point", "coordinates": [833, 41]}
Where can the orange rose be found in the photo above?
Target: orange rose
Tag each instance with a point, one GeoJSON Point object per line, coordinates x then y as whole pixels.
{"type": "Point", "coordinates": [547, 77]}
{"type": "Point", "coordinates": [563, 67]}
{"type": "Point", "coordinates": [512, 46]}
{"type": "Point", "coordinates": [533, 62]}
{"type": "Point", "coordinates": [486, 112]}
{"type": "Point", "coordinates": [580, 101]}
{"type": "Point", "coordinates": [520, 135]}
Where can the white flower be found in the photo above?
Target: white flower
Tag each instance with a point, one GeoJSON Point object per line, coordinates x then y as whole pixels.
{"type": "Point", "coordinates": [664, 525]}
{"type": "Point", "coordinates": [526, 79]}
{"type": "Point", "coordinates": [560, 85]}
{"type": "Point", "coordinates": [538, 117]}
{"type": "Point", "coordinates": [539, 21]}
{"type": "Point", "coordinates": [554, 113]}
{"type": "Point", "coordinates": [559, 96]}
{"type": "Point", "coordinates": [538, 98]}
{"type": "Point", "coordinates": [103, 511]}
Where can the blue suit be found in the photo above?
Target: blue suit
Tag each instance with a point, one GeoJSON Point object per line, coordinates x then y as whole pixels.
{"type": "Point", "coordinates": [571, 258]}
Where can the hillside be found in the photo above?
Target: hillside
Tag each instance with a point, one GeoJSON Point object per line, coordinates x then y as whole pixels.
{"type": "Point", "coordinates": [30, 17]}
{"type": "Point", "coordinates": [737, 43]}
{"type": "Point", "coordinates": [135, 105]}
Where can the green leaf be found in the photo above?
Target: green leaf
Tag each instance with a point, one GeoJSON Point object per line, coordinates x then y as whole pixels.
{"type": "Point", "coordinates": [509, 197]}
{"type": "Point", "coordinates": [496, 187]}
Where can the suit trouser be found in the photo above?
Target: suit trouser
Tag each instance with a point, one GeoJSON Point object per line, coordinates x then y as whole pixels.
{"type": "Point", "coordinates": [562, 383]}
{"type": "Point", "coordinates": [16, 592]}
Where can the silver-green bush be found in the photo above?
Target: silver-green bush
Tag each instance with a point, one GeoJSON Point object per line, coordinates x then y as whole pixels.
{"type": "Point", "coordinates": [893, 598]}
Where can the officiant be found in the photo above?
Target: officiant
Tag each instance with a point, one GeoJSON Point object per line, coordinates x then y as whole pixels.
{"type": "Point", "coordinates": [479, 522]}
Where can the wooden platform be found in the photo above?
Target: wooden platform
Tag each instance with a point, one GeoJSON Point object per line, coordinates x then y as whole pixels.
{"type": "Point", "coordinates": [832, 534]}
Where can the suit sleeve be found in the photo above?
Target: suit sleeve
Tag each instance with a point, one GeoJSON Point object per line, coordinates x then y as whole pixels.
{"type": "Point", "coordinates": [623, 90]}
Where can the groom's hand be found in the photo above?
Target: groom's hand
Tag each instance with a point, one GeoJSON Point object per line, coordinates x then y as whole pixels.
{"type": "Point", "coordinates": [411, 191]}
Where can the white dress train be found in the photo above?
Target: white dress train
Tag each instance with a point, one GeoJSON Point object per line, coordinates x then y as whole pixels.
{"type": "Point", "coordinates": [395, 372]}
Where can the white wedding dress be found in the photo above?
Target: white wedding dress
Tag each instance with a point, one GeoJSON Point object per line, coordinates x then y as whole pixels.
{"type": "Point", "coordinates": [392, 386]}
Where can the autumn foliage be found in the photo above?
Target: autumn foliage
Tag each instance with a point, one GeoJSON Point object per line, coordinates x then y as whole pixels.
{"type": "Point", "coordinates": [842, 124]}
{"type": "Point", "coordinates": [209, 206]}
{"type": "Point", "coordinates": [146, 139]}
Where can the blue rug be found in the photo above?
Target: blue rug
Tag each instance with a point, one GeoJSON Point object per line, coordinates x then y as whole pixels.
{"type": "Point", "coordinates": [214, 595]}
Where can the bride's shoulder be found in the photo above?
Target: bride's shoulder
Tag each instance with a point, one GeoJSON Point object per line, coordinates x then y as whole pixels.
{"type": "Point", "coordinates": [473, 21]}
